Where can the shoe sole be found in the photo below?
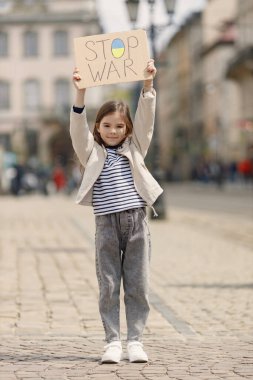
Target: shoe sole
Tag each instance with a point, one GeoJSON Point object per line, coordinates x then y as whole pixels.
{"type": "Point", "coordinates": [109, 362]}
{"type": "Point", "coordinates": [138, 361]}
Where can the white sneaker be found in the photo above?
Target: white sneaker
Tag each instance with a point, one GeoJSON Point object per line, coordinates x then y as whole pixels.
{"type": "Point", "coordinates": [136, 354]}
{"type": "Point", "coordinates": [113, 352]}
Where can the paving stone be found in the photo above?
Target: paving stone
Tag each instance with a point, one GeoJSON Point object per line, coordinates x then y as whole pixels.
{"type": "Point", "coordinates": [200, 325]}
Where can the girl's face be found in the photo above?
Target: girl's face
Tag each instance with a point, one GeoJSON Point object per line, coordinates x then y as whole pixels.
{"type": "Point", "coordinates": [112, 129]}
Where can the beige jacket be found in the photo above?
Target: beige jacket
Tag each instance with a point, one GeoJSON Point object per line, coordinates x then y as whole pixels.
{"type": "Point", "coordinates": [92, 155]}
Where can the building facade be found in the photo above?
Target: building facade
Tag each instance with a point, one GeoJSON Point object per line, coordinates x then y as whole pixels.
{"type": "Point", "coordinates": [180, 107]}
{"type": "Point", "coordinates": [36, 64]}
{"type": "Point", "coordinates": [221, 95]}
{"type": "Point", "coordinates": [240, 71]}
{"type": "Point", "coordinates": [205, 102]}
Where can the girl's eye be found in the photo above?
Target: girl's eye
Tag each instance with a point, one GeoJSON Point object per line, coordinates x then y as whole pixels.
{"type": "Point", "coordinates": [120, 126]}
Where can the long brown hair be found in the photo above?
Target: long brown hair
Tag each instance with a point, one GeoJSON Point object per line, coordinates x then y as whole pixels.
{"type": "Point", "coordinates": [110, 107]}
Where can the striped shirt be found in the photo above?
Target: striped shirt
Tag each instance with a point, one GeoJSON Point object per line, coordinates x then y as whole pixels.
{"type": "Point", "coordinates": [114, 190]}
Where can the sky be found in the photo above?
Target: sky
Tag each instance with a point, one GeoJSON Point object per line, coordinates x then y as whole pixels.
{"type": "Point", "coordinates": [113, 16]}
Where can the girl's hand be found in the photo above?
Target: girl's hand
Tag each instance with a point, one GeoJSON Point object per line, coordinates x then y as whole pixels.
{"type": "Point", "coordinates": [150, 69]}
{"type": "Point", "coordinates": [76, 78]}
{"type": "Point", "coordinates": [79, 102]}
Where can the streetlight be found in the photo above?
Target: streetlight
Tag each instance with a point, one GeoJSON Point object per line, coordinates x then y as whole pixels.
{"type": "Point", "coordinates": [155, 148]}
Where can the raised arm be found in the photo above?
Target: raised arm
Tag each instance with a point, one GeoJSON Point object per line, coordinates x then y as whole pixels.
{"type": "Point", "coordinates": [82, 138]}
{"type": "Point", "coordinates": [145, 113]}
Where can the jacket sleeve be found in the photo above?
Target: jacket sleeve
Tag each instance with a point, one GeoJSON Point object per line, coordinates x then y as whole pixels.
{"type": "Point", "coordinates": [82, 138]}
{"type": "Point", "coordinates": [144, 121]}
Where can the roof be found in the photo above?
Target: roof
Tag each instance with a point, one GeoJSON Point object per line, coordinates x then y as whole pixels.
{"type": "Point", "coordinates": [46, 18]}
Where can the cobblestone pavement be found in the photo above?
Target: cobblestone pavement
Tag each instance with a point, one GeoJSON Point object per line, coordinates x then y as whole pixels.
{"type": "Point", "coordinates": [201, 320]}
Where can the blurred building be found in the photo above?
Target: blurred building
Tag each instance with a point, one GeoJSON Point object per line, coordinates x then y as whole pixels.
{"type": "Point", "coordinates": [36, 64]}
{"type": "Point", "coordinates": [206, 85]}
{"type": "Point", "coordinates": [181, 101]}
{"type": "Point", "coordinates": [240, 70]}
{"type": "Point", "coordinates": [221, 94]}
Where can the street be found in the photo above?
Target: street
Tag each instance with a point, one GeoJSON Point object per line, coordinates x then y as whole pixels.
{"type": "Point", "coordinates": [200, 325]}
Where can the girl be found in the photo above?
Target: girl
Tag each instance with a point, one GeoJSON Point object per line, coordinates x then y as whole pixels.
{"type": "Point", "coordinates": [118, 185]}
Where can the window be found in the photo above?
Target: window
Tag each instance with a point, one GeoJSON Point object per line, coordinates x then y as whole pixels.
{"type": "Point", "coordinates": [5, 141]}
{"type": "Point", "coordinates": [62, 94]}
{"type": "Point", "coordinates": [4, 95]}
{"type": "Point", "coordinates": [60, 43]}
{"type": "Point", "coordinates": [31, 94]}
{"type": "Point", "coordinates": [30, 44]}
{"type": "Point", "coordinates": [3, 44]}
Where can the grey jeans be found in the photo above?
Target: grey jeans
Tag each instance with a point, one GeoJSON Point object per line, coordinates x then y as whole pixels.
{"type": "Point", "coordinates": [123, 252]}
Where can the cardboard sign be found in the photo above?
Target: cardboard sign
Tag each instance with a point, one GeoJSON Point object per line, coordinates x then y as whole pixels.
{"type": "Point", "coordinates": [111, 58]}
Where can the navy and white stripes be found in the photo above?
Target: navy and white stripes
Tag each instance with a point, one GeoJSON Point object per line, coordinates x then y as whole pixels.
{"type": "Point", "coordinates": [114, 190]}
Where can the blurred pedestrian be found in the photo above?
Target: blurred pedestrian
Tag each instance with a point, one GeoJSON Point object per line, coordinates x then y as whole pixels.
{"type": "Point", "coordinates": [16, 181]}
{"type": "Point", "coordinates": [217, 172]}
{"type": "Point", "coordinates": [245, 168]}
{"type": "Point", "coordinates": [44, 175]}
{"type": "Point", "coordinates": [74, 179]}
{"type": "Point", "coordinates": [232, 171]}
{"type": "Point", "coordinates": [119, 186]}
{"type": "Point", "coordinates": [59, 177]}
